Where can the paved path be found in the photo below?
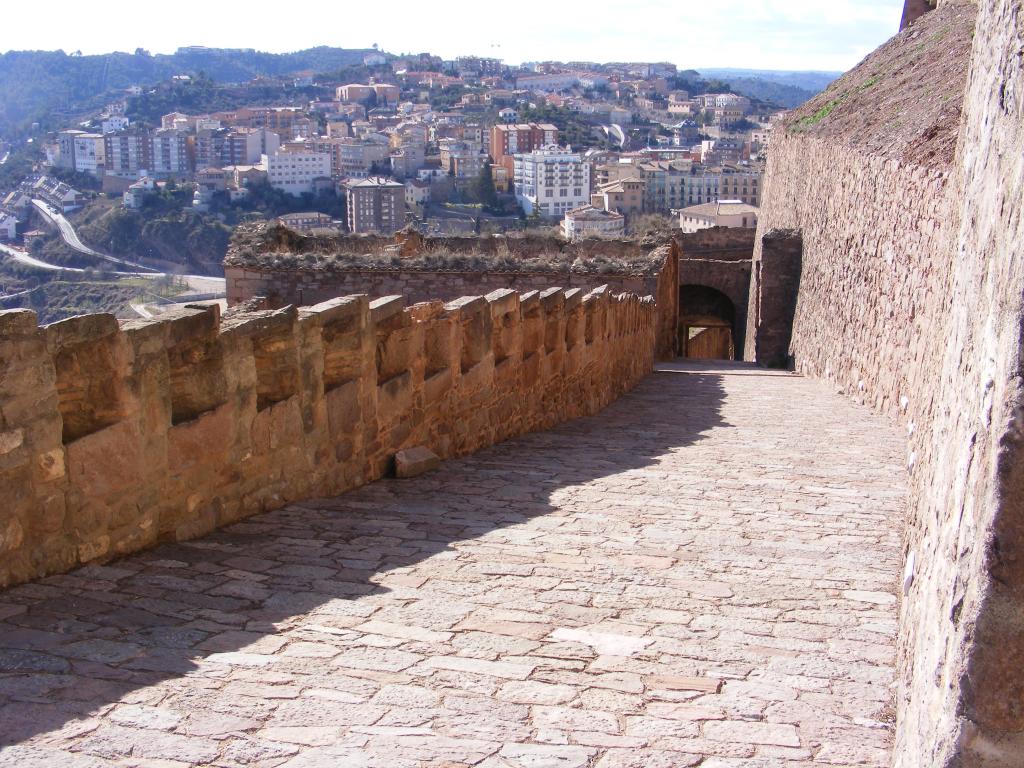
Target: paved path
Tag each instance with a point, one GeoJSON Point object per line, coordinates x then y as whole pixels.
{"type": "Point", "coordinates": [701, 575]}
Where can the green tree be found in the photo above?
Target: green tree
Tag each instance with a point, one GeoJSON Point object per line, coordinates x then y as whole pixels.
{"type": "Point", "coordinates": [483, 189]}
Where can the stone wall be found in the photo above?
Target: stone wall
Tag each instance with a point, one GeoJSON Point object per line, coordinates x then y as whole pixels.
{"type": "Point", "coordinates": [719, 258]}
{"type": "Point", "coordinates": [114, 437]}
{"type": "Point", "coordinates": [907, 196]}
{"type": "Point", "coordinates": [775, 284]}
{"type": "Point", "coordinates": [964, 614]}
{"type": "Point", "coordinates": [287, 268]}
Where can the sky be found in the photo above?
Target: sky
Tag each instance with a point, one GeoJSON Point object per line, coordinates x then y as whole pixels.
{"type": "Point", "coordinates": [755, 34]}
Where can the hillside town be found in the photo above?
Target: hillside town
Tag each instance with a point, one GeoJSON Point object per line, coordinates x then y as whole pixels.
{"type": "Point", "coordinates": [467, 145]}
{"type": "Point", "coordinates": [376, 410]}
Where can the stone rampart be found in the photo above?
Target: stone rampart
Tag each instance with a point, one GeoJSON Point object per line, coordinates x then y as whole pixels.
{"type": "Point", "coordinates": [116, 436]}
{"type": "Point", "coordinates": [719, 258]}
{"type": "Point", "coordinates": [904, 183]}
{"type": "Point", "coordinates": [288, 268]}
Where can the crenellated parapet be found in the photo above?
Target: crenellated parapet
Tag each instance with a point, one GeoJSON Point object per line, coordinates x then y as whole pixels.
{"type": "Point", "coordinates": [117, 435]}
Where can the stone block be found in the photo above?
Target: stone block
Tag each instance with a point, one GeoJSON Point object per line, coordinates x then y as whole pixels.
{"type": "Point", "coordinates": [386, 308]}
{"type": "Point", "coordinates": [411, 462]}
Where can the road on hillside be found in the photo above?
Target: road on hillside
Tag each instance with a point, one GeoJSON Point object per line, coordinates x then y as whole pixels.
{"type": "Point", "coordinates": [68, 234]}
{"type": "Point", "coordinates": [198, 285]}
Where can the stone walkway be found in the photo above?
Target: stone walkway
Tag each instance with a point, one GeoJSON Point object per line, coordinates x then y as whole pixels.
{"type": "Point", "coordinates": [703, 574]}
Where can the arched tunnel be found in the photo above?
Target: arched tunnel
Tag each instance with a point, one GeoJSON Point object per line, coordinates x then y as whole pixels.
{"type": "Point", "coordinates": [707, 323]}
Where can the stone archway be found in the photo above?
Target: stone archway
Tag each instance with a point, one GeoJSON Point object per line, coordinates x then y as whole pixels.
{"type": "Point", "coordinates": [707, 323]}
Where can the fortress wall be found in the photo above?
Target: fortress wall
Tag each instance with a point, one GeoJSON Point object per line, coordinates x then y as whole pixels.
{"type": "Point", "coordinates": [719, 258]}
{"type": "Point", "coordinates": [964, 613]}
{"type": "Point", "coordinates": [114, 437]}
{"type": "Point", "coordinates": [910, 300]}
{"type": "Point", "coordinates": [874, 283]}
{"type": "Point", "coordinates": [717, 244]}
{"type": "Point", "coordinates": [295, 283]}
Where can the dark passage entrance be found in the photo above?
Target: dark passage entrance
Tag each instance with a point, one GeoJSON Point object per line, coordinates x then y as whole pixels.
{"type": "Point", "coordinates": [707, 321]}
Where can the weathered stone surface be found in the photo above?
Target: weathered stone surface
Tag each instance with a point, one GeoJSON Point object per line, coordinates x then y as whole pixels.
{"type": "Point", "coordinates": [115, 438]}
{"type": "Point", "coordinates": [904, 180]}
{"type": "Point", "coordinates": [415, 461]}
{"type": "Point", "coordinates": [290, 268]}
{"type": "Point", "coordinates": [585, 596]}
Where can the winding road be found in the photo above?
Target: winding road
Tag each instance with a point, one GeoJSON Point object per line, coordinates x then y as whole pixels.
{"type": "Point", "coordinates": [68, 234]}
{"type": "Point", "coordinates": [200, 285]}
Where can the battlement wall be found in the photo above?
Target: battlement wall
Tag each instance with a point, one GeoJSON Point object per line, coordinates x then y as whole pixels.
{"type": "Point", "coordinates": [116, 436]}
{"type": "Point", "coordinates": [286, 267]}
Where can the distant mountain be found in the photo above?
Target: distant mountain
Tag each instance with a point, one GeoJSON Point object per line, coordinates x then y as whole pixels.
{"type": "Point", "coordinates": [45, 86]}
{"type": "Point", "coordinates": [785, 88]}
{"type": "Point", "coordinates": [808, 80]}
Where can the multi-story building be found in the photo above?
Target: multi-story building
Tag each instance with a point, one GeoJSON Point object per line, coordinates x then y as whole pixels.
{"type": "Point", "coordinates": [8, 227]}
{"type": "Point", "coordinates": [555, 82]}
{"type": "Point", "coordinates": [353, 158]}
{"type": "Point", "coordinates": [244, 146]}
{"type": "Point", "coordinates": [507, 140]}
{"type": "Point", "coordinates": [625, 196]}
{"type": "Point", "coordinates": [383, 94]}
{"type": "Point", "coordinates": [287, 122]}
{"type": "Point", "coordinates": [128, 154]}
{"type": "Point", "coordinates": [209, 148]}
{"type": "Point", "coordinates": [375, 205]}
{"type": "Point", "coordinates": [709, 185]}
{"type": "Point", "coordinates": [303, 222]}
{"type": "Point", "coordinates": [407, 132]}
{"type": "Point", "coordinates": [417, 193]}
{"type": "Point", "coordinates": [406, 161]}
{"type": "Point", "coordinates": [295, 171]}
{"type": "Point", "coordinates": [476, 65]}
{"type": "Point", "coordinates": [171, 153]}
{"type": "Point", "coordinates": [723, 213]}
{"type": "Point", "coordinates": [588, 221]}
{"type": "Point", "coordinates": [89, 152]}
{"type": "Point", "coordinates": [698, 187]}
{"type": "Point", "coordinates": [66, 148]}
{"type": "Point", "coordinates": [80, 151]}
{"type": "Point", "coordinates": [551, 181]}
{"type": "Point", "coordinates": [663, 180]}
{"type": "Point", "coordinates": [741, 184]}
{"type": "Point", "coordinates": [462, 159]}
{"type": "Point", "coordinates": [354, 92]}
{"type": "Point", "coordinates": [114, 123]}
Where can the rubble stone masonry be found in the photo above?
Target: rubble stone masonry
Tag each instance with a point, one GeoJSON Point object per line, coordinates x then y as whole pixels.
{"type": "Point", "coordinates": [287, 268]}
{"type": "Point", "coordinates": [905, 181]}
{"type": "Point", "coordinates": [116, 436]}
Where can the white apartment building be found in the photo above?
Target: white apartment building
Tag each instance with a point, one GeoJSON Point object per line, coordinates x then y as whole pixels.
{"type": "Point", "coordinates": [294, 171]}
{"type": "Point", "coordinates": [115, 123]}
{"type": "Point", "coordinates": [551, 181]}
{"type": "Point", "coordinates": [89, 154]}
{"type": "Point", "coordinates": [8, 227]}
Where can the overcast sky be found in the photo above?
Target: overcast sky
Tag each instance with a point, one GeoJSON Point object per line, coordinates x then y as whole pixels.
{"type": "Point", "coordinates": [761, 34]}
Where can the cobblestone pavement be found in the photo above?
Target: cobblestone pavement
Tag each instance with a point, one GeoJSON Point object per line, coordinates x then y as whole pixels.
{"type": "Point", "coordinates": [703, 574]}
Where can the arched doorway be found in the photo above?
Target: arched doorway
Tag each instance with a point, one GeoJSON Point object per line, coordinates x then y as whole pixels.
{"type": "Point", "coordinates": [707, 321]}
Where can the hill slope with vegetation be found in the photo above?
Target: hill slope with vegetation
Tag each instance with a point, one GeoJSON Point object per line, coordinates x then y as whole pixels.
{"type": "Point", "coordinates": [49, 86]}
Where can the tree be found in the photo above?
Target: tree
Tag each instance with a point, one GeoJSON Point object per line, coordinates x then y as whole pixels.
{"type": "Point", "coordinates": [483, 189]}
